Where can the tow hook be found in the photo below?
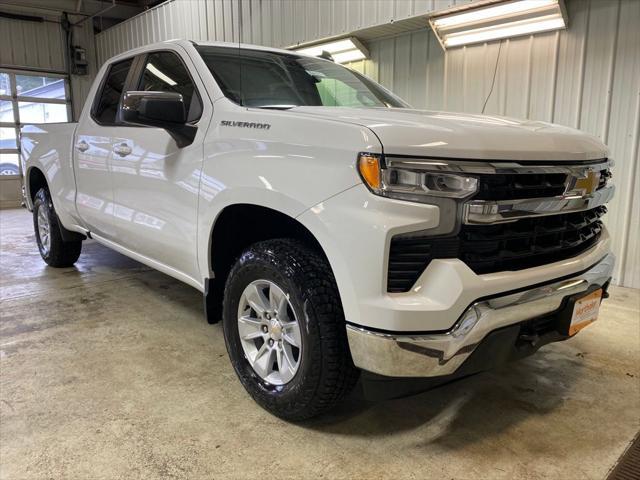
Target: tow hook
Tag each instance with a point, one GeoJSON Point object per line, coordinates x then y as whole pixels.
{"type": "Point", "coordinates": [532, 339]}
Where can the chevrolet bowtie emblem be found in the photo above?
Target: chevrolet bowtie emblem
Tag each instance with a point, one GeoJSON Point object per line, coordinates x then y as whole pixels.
{"type": "Point", "coordinates": [585, 184]}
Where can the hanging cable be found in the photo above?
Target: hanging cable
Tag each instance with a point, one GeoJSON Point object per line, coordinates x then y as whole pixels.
{"type": "Point", "coordinates": [493, 81]}
{"type": "Point", "coordinates": [240, 50]}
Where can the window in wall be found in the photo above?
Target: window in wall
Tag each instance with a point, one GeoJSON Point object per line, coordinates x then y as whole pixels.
{"type": "Point", "coordinates": [25, 98]}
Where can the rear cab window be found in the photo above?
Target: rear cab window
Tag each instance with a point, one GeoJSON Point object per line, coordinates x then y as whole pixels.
{"type": "Point", "coordinates": [106, 105]}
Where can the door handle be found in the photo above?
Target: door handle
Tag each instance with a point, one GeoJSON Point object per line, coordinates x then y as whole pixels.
{"type": "Point", "coordinates": [82, 146]}
{"type": "Point", "coordinates": [123, 149]}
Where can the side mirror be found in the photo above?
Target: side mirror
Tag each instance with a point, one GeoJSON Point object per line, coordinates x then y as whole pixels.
{"type": "Point", "coordinates": [158, 109]}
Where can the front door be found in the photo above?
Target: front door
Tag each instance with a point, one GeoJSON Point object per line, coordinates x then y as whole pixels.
{"type": "Point", "coordinates": [92, 153]}
{"type": "Point", "coordinates": [155, 183]}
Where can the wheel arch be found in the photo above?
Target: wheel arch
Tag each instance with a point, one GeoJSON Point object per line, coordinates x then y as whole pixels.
{"type": "Point", "coordinates": [229, 237]}
{"type": "Point", "coordinates": [35, 180]}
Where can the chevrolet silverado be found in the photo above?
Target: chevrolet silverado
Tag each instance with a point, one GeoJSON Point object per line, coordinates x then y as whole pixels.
{"type": "Point", "coordinates": [336, 232]}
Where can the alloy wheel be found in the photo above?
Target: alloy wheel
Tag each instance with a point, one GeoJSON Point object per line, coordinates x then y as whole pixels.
{"type": "Point", "coordinates": [269, 332]}
{"type": "Point", "coordinates": [44, 229]}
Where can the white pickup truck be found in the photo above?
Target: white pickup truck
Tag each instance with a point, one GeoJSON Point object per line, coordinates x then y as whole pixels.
{"type": "Point", "coordinates": [336, 231]}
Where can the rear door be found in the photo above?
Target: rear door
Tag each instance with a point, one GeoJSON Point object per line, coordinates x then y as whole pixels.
{"type": "Point", "coordinates": [156, 183]}
{"type": "Point", "coordinates": [92, 152]}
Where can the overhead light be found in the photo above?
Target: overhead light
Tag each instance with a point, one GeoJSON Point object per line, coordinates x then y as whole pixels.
{"type": "Point", "coordinates": [161, 75]}
{"type": "Point", "coordinates": [497, 21]}
{"type": "Point", "coordinates": [342, 51]}
{"type": "Point", "coordinates": [349, 56]}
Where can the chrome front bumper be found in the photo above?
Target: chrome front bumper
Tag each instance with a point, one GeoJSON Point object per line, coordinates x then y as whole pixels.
{"type": "Point", "coordinates": [431, 355]}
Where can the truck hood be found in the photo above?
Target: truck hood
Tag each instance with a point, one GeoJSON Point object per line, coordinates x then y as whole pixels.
{"type": "Point", "coordinates": [468, 136]}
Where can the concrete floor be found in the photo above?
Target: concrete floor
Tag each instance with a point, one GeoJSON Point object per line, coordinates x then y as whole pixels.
{"type": "Point", "coordinates": [109, 370]}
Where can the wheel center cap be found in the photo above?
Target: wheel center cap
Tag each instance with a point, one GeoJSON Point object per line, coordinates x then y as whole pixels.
{"type": "Point", "coordinates": [275, 329]}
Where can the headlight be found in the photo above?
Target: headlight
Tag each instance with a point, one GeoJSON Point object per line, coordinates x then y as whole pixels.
{"type": "Point", "coordinates": [414, 185]}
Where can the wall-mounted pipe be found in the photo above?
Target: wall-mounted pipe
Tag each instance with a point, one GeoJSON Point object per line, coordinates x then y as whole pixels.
{"type": "Point", "coordinates": [97, 14]}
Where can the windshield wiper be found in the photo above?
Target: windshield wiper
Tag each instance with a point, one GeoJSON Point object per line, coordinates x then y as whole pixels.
{"type": "Point", "coordinates": [277, 107]}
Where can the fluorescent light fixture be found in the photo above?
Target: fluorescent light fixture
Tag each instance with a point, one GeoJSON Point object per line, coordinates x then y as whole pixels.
{"type": "Point", "coordinates": [496, 21]}
{"type": "Point", "coordinates": [513, 29]}
{"type": "Point", "coordinates": [342, 51]}
{"type": "Point", "coordinates": [348, 56]}
{"type": "Point", "coordinates": [492, 12]}
{"type": "Point", "coordinates": [162, 76]}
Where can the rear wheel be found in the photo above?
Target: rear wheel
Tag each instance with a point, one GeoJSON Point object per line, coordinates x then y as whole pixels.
{"type": "Point", "coordinates": [285, 330]}
{"type": "Point", "coordinates": [54, 250]}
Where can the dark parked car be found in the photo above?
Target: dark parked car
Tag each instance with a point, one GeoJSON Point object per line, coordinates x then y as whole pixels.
{"type": "Point", "coordinates": [7, 168]}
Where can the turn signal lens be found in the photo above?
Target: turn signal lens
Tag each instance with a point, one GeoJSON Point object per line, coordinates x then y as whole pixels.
{"type": "Point", "coordinates": [369, 167]}
{"type": "Point", "coordinates": [411, 182]}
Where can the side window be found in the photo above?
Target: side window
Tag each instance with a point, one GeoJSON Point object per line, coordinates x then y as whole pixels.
{"type": "Point", "coordinates": [165, 72]}
{"type": "Point", "coordinates": [107, 107]}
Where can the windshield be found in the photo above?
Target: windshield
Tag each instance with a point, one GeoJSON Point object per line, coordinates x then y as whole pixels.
{"type": "Point", "coordinates": [284, 80]}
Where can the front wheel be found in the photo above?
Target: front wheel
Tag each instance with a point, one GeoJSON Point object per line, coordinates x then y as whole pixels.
{"type": "Point", "coordinates": [285, 330]}
{"type": "Point", "coordinates": [54, 250]}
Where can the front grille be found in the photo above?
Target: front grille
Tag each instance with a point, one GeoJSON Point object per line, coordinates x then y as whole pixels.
{"type": "Point", "coordinates": [523, 185]}
{"type": "Point", "coordinates": [605, 175]}
{"type": "Point", "coordinates": [517, 186]}
{"type": "Point", "coordinates": [526, 243]}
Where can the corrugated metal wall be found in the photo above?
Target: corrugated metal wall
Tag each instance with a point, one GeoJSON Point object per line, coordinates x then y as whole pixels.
{"type": "Point", "coordinates": [276, 23]}
{"type": "Point", "coordinates": [80, 85]}
{"type": "Point", "coordinates": [587, 76]}
{"type": "Point", "coordinates": [41, 46]}
{"type": "Point", "coordinates": [31, 45]}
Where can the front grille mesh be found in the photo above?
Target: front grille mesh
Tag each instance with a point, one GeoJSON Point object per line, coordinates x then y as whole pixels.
{"type": "Point", "coordinates": [529, 242]}
{"type": "Point", "coordinates": [605, 175]}
{"type": "Point", "coordinates": [518, 245]}
{"type": "Point", "coordinates": [517, 186]}
{"type": "Point", "coordinates": [524, 185]}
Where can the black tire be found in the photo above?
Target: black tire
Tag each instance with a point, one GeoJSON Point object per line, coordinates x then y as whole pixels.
{"type": "Point", "coordinates": [326, 373]}
{"type": "Point", "coordinates": [60, 253]}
